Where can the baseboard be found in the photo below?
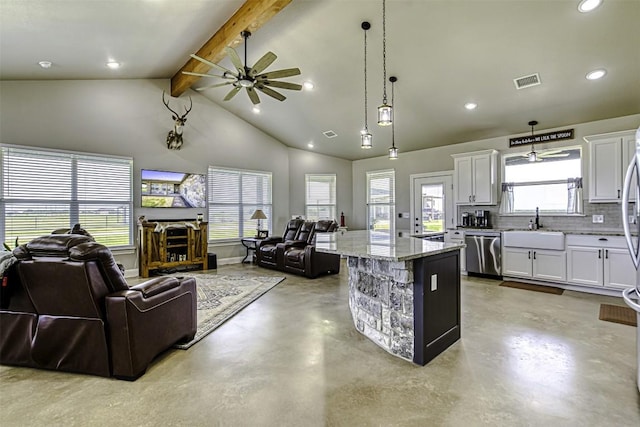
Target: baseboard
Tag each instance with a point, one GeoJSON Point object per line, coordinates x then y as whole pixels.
{"type": "Point", "coordinates": [233, 260]}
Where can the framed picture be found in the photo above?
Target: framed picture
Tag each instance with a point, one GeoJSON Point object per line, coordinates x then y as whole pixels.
{"type": "Point", "coordinates": [263, 234]}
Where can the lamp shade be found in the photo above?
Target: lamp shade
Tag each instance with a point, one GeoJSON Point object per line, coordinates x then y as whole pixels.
{"type": "Point", "coordinates": [258, 214]}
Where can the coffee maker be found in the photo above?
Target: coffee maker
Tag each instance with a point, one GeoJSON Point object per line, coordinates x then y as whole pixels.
{"type": "Point", "coordinates": [467, 219]}
{"type": "Point", "coordinates": [482, 219]}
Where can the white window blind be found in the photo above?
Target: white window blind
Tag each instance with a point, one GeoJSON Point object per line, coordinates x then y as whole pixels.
{"type": "Point", "coordinates": [381, 200]}
{"type": "Point", "coordinates": [234, 195]}
{"type": "Point", "coordinates": [43, 190]}
{"type": "Point", "coordinates": [320, 196]}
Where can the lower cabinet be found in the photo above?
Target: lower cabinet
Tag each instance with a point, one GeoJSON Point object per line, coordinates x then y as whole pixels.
{"type": "Point", "coordinates": [609, 267]}
{"type": "Point", "coordinates": [539, 264]}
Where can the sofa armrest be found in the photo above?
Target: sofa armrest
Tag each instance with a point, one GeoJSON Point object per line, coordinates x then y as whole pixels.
{"type": "Point", "coordinates": [156, 286]}
{"type": "Point", "coordinates": [269, 241]}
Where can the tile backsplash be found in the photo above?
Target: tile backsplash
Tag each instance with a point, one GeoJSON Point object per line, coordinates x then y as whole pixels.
{"type": "Point", "coordinates": [610, 211]}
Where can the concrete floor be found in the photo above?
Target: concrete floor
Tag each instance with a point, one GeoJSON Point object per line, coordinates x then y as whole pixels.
{"type": "Point", "coordinates": [294, 358]}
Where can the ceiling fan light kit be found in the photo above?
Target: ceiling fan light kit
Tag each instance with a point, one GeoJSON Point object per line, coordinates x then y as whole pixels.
{"type": "Point", "coordinates": [249, 78]}
{"type": "Point", "coordinates": [385, 111]}
{"type": "Point", "coordinates": [366, 139]}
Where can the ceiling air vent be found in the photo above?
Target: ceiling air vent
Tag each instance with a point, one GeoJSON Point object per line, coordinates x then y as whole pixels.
{"type": "Point", "coordinates": [527, 81]}
{"type": "Point", "coordinates": [329, 134]}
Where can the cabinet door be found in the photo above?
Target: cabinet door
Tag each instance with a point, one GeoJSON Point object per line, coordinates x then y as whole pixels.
{"type": "Point", "coordinates": [517, 262]}
{"type": "Point", "coordinates": [584, 265]}
{"type": "Point", "coordinates": [462, 180]}
{"type": "Point", "coordinates": [605, 184]}
{"type": "Point", "coordinates": [482, 179]}
{"type": "Point", "coordinates": [550, 265]}
{"type": "Point", "coordinates": [628, 151]}
{"type": "Point", "coordinates": [619, 271]}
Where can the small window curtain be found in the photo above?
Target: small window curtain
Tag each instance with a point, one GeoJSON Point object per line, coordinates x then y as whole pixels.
{"type": "Point", "coordinates": [575, 203]}
{"type": "Point", "coordinates": [506, 203]}
{"type": "Point", "coordinates": [320, 196]}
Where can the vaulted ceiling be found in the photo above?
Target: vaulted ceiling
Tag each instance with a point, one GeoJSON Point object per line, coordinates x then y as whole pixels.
{"type": "Point", "coordinates": [444, 53]}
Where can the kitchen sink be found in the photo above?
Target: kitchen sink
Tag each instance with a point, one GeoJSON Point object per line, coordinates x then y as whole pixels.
{"type": "Point", "coordinates": [534, 239]}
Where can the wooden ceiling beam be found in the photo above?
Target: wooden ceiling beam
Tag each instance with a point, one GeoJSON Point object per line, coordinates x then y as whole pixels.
{"type": "Point", "coordinates": [252, 15]}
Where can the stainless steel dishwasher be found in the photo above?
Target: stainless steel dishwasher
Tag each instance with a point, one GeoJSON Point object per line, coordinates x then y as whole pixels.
{"type": "Point", "coordinates": [483, 252]}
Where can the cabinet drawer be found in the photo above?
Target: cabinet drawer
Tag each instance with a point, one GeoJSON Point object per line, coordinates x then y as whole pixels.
{"type": "Point", "coordinates": [596, 241]}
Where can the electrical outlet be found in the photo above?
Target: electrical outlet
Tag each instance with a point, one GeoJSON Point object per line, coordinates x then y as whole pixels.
{"type": "Point", "coordinates": [597, 219]}
{"type": "Point", "coordinates": [434, 282]}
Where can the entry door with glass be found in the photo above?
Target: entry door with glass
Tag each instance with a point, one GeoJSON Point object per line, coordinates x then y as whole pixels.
{"type": "Point", "coordinates": [433, 203]}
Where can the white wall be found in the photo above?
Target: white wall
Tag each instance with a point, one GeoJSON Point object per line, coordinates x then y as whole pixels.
{"type": "Point", "coordinates": [127, 118]}
{"type": "Point", "coordinates": [439, 159]}
{"type": "Point", "coordinates": [303, 162]}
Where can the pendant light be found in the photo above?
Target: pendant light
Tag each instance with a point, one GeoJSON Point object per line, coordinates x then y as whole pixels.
{"type": "Point", "coordinates": [385, 112]}
{"type": "Point", "coordinates": [393, 151]}
{"type": "Point", "coordinates": [366, 139]}
{"type": "Point", "coordinates": [533, 156]}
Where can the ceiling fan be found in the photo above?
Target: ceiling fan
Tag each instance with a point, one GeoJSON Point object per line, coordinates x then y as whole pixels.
{"type": "Point", "coordinates": [250, 78]}
{"type": "Point", "coordinates": [538, 156]}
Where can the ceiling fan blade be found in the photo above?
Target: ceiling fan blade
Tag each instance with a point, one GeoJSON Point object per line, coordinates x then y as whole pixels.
{"type": "Point", "coordinates": [210, 64]}
{"type": "Point", "coordinates": [209, 75]}
{"type": "Point", "coordinates": [287, 72]}
{"type": "Point", "coordinates": [262, 63]}
{"type": "Point", "coordinates": [232, 93]}
{"type": "Point", "coordinates": [200, 89]}
{"type": "Point", "coordinates": [253, 95]}
{"type": "Point", "coordinates": [283, 85]}
{"type": "Point", "coordinates": [235, 60]}
{"type": "Point", "coordinates": [272, 93]}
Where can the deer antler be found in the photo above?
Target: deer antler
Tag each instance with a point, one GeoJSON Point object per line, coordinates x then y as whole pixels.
{"type": "Point", "coordinates": [166, 104]}
{"type": "Point", "coordinates": [188, 109]}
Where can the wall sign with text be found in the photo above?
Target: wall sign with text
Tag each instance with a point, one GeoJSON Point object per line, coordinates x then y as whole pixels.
{"type": "Point", "coordinates": [558, 135]}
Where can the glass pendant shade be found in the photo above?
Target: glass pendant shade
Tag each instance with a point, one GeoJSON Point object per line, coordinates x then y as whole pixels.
{"type": "Point", "coordinates": [393, 153]}
{"type": "Point", "coordinates": [385, 115]}
{"type": "Point", "coordinates": [366, 140]}
{"type": "Point", "coordinates": [533, 156]}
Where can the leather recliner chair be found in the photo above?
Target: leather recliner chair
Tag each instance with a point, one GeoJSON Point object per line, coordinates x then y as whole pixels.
{"type": "Point", "coordinates": [300, 257]}
{"type": "Point", "coordinates": [267, 249]}
{"type": "Point", "coordinates": [70, 309]}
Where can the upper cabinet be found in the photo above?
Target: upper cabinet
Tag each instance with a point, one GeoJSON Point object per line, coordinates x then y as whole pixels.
{"type": "Point", "coordinates": [475, 180]}
{"type": "Point", "coordinates": [609, 156]}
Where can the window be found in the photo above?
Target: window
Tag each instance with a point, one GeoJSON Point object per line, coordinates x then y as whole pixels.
{"type": "Point", "coordinates": [381, 200]}
{"type": "Point", "coordinates": [43, 190]}
{"type": "Point", "coordinates": [320, 196]}
{"type": "Point", "coordinates": [553, 183]}
{"type": "Point", "coordinates": [234, 195]}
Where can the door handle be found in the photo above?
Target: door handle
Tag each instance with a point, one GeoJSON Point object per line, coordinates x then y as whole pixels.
{"type": "Point", "coordinates": [599, 253]}
{"type": "Point", "coordinates": [618, 194]}
{"type": "Point", "coordinates": [529, 255]}
{"type": "Point", "coordinates": [606, 254]}
{"type": "Point", "coordinates": [469, 198]}
{"type": "Point", "coordinates": [634, 249]}
{"type": "Point", "coordinates": [534, 254]}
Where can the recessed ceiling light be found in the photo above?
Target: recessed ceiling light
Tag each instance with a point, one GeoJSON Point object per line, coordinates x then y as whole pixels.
{"type": "Point", "coordinates": [308, 85]}
{"type": "Point", "coordinates": [588, 5]}
{"type": "Point", "coordinates": [596, 74]}
{"type": "Point", "coordinates": [470, 105]}
{"type": "Point", "coordinates": [45, 64]}
{"type": "Point", "coordinates": [113, 65]}
{"type": "Point", "coordinates": [310, 145]}
{"type": "Point", "coordinates": [256, 109]}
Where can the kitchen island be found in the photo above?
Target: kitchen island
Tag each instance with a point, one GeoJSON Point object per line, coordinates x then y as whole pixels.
{"type": "Point", "coordinates": [404, 292]}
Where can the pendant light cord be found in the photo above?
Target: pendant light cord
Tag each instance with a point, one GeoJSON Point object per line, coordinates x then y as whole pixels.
{"type": "Point", "coordinates": [393, 123]}
{"type": "Point", "coordinates": [366, 126]}
{"type": "Point", "coordinates": [384, 52]}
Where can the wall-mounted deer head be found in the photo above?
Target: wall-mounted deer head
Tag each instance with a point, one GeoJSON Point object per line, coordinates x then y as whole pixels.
{"type": "Point", "coordinates": [174, 137]}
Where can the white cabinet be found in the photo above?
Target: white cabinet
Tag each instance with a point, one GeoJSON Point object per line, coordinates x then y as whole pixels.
{"type": "Point", "coordinates": [609, 156]}
{"type": "Point", "coordinates": [602, 261]}
{"type": "Point", "coordinates": [539, 264]}
{"type": "Point", "coordinates": [457, 236]}
{"type": "Point", "coordinates": [475, 180]}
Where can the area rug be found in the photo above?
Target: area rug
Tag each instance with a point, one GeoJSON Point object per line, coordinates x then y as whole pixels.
{"type": "Point", "coordinates": [530, 287]}
{"type": "Point", "coordinates": [618, 314]}
{"type": "Point", "coordinates": [220, 297]}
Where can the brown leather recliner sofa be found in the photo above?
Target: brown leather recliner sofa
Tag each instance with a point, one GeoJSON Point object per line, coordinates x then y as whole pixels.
{"type": "Point", "coordinates": [70, 309]}
{"type": "Point", "coordinates": [295, 252]}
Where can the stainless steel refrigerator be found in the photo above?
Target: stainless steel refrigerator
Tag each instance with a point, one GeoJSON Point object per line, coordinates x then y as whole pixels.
{"type": "Point", "coordinates": [631, 225]}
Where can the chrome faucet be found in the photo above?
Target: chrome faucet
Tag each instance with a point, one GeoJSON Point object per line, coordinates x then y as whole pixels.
{"type": "Point", "coordinates": [538, 226]}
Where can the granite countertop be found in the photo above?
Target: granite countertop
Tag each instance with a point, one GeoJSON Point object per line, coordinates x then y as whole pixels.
{"type": "Point", "coordinates": [379, 245]}
{"type": "Point", "coordinates": [610, 232]}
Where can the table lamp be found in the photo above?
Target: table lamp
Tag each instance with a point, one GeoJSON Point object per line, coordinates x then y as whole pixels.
{"type": "Point", "coordinates": [259, 215]}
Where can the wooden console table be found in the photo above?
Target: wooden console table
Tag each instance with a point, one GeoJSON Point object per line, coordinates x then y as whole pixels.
{"type": "Point", "coordinates": [171, 243]}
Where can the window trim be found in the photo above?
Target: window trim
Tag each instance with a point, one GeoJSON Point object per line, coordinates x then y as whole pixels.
{"type": "Point", "coordinates": [210, 202]}
{"type": "Point", "coordinates": [333, 206]}
{"type": "Point", "coordinates": [391, 203]}
{"type": "Point", "coordinates": [503, 160]}
{"type": "Point", "coordinates": [73, 203]}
